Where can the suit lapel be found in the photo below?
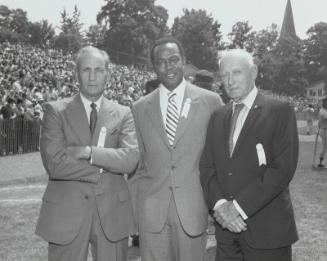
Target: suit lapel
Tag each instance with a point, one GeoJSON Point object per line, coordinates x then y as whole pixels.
{"type": "Point", "coordinates": [154, 112]}
{"type": "Point", "coordinates": [77, 117]}
{"type": "Point", "coordinates": [191, 97]}
{"type": "Point", "coordinates": [106, 118]}
{"type": "Point", "coordinates": [250, 120]}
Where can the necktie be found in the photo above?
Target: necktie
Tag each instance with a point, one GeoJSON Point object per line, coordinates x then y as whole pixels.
{"type": "Point", "coordinates": [171, 118]}
{"type": "Point", "coordinates": [237, 109]}
{"type": "Point", "coordinates": [93, 117]}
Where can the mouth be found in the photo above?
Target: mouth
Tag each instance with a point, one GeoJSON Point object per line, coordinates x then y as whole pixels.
{"type": "Point", "coordinates": [171, 76]}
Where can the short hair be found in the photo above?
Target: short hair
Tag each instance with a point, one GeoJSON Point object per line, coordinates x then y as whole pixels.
{"type": "Point", "coordinates": [89, 49]}
{"type": "Point", "coordinates": [241, 53]}
{"type": "Point", "coordinates": [164, 40]}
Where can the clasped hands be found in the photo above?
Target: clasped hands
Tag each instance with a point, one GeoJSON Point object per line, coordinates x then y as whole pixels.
{"type": "Point", "coordinates": [228, 217]}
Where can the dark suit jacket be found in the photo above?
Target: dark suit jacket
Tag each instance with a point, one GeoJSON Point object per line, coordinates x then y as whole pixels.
{"type": "Point", "coordinates": [72, 182]}
{"type": "Point", "coordinates": [164, 169]}
{"type": "Point", "coordinates": [261, 191]}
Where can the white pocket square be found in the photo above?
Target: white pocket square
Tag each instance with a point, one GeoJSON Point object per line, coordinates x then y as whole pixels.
{"type": "Point", "coordinates": [261, 154]}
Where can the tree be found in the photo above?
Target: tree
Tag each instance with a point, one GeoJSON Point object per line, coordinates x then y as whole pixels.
{"type": "Point", "coordinates": [131, 28]}
{"type": "Point", "coordinates": [315, 51]}
{"type": "Point", "coordinates": [200, 37]}
{"type": "Point", "coordinates": [70, 39]}
{"type": "Point", "coordinates": [95, 35]}
{"type": "Point", "coordinates": [41, 33]}
{"type": "Point", "coordinates": [265, 41]}
{"type": "Point", "coordinates": [242, 37]}
{"type": "Point", "coordinates": [282, 70]}
{"type": "Point", "coordinates": [70, 24]}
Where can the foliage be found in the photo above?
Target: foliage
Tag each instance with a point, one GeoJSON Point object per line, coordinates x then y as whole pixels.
{"type": "Point", "coordinates": [70, 24]}
{"type": "Point", "coordinates": [242, 36]}
{"type": "Point", "coordinates": [315, 51]}
{"type": "Point", "coordinates": [41, 33]}
{"type": "Point", "coordinates": [95, 35]}
{"type": "Point", "coordinates": [131, 28]}
{"type": "Point", "coordinates": [200, 36]}
{"type": "Point", "coordinates": [69, 43]}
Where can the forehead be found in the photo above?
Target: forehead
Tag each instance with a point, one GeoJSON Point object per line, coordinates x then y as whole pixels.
{"type": "Point", "coordinates": [166, 49]}
{"type": "Point", "coordinates": [90, 59]}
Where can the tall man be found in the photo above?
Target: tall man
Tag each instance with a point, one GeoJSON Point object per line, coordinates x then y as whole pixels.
{"type": "Point", "coordinates": [171, 126]}
{"type": "Point", "coordinates": [249, 159]}
{"type": "Point", "coordinates": [87, 142]}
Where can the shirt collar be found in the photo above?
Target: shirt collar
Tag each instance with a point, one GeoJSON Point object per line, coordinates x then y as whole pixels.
{"type": "Point", "coordinates": [179, 90]}
{"type": "Point", "coordinates": [87, 103]}
{"type": "Point", "coordinates": [249, 99]}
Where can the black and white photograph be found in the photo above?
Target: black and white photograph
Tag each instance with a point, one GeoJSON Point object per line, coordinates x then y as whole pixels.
{"type": "Point", "coordinates": [163, 130]}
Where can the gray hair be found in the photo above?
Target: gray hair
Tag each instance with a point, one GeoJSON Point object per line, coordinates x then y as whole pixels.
{"type": "Point", "coordinates": [91, 49]}
{"type": "Point", "coordinates": [240, 53]}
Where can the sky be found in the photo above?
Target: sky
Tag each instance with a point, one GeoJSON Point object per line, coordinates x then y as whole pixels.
{"type": "Point", "coordinates": [259, 13]}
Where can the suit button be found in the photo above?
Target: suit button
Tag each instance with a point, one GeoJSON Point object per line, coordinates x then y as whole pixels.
{"type": "Point", "coordinates": [231, 197]}
{"type": "Point", "coordinates": [230, 174]}
{"type": "Point", "coordinates": [86, 197]}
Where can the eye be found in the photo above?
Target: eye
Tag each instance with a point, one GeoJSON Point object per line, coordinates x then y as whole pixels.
{"type": "Point", "coordinates": [174, 59]}
{"type": "Point", "coordinates": [159, 62]}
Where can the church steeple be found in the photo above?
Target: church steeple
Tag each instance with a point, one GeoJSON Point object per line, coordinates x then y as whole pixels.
{"type": "Point", "coordinates": [288, 28]}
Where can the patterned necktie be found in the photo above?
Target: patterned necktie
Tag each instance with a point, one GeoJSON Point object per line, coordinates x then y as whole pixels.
{"type": "Point", "coordinates": [237, 109]}
{"type": "Point", "coordinates": [171, 118]}
{"type": "Point", "coordinates": [93, 117]}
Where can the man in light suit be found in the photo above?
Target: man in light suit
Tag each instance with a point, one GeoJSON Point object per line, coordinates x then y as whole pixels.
{"type": "Point", "coordinates": [172, 215]}
{"type": "Point", "coordinates": [87, 143]}
{"type": "Point", "coordinates": [249, 159]}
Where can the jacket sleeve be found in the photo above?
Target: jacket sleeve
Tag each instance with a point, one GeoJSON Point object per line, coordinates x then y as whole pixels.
{"type": "Point", "coordinates": [58, 164]}
{"type": "Point", "coordinates": [280, 170]}
{"type": "Point", "coordinates": [124, 158]}
{"type": "Point", "coordinates": [208, 177]}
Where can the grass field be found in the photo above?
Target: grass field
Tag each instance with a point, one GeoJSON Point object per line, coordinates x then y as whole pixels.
{"type": "Point", "coordinates": [20, 199]}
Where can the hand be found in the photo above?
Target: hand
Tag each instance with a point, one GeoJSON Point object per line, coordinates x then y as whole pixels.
{"type": "Point", "coordinates": [225, 213]}
{"type": "Point", "coordinates": [237, 225]}
{"type": "Point", "coordinates": [78, 152]}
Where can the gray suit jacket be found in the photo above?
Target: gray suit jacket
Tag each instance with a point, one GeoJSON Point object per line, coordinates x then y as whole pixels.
{"type": "Point", "coordinates": [72, 182]}
{"type": "Point", "coordinates": [164, 170]}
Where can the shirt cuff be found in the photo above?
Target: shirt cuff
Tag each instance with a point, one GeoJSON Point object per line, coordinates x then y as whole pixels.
{"type": "Point", "coordinates": [219, 202]}
{"type": "Point", "coordinates": [240, 210]}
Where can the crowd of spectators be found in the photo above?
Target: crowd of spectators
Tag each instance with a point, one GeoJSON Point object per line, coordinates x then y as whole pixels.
{"type": "Point", "coordinates": [30, 76]}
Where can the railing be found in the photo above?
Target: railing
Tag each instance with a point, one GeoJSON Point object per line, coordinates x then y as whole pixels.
{"type": "Point", "coordinates": [19, 136]}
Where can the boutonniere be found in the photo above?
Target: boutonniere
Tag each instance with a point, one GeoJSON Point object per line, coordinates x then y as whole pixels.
{"type": "Point", "coordinates": [102, 137]}
{"type": "Point", "coordinates": [186, 107]}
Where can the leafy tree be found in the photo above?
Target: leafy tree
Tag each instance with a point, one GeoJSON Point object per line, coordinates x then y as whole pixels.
{"type": "Point", "coordinates": [41, 33]}
{"type": "Point", "coordinates": [70, 24]}
{"type": "Point", "coordinates": [200, 37]}
{"type": "Point", "coordinates": [282, 70]}
{"type": "Point", "coordinates": [95, 35]}
{"type": "Point", "coordinates": [265, 41]}
{"type": "Point", "coordinates": [242, 36]}
{"type": "Point", "coordinates": [131, 28]}
{"type": "Point", "coordinates": [69, 43]}
{"type": "Point", "coordinates": [315, 50]}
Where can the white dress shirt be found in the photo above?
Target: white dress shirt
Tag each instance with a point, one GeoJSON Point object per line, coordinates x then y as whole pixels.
{"type": "Point", "coordinates": [164, 95]}
{"type": "Point", "coordinates": [87, 106]}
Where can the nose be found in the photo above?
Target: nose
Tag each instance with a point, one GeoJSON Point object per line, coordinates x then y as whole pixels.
{"type": "Point", "coordinates": [92, 75]}
{"type": "Point", "coordinates": [230, 79]}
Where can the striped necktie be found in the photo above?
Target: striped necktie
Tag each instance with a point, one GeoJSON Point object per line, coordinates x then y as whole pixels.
{"type": "Point", "coordinates": [171, 118]}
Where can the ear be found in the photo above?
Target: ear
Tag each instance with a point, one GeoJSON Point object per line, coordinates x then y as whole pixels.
{"type": "Point", "coordinates": [254, 72]}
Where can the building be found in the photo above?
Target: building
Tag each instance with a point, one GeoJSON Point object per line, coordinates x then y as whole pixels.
{"type": "Point", "coordinates": [316, 91]}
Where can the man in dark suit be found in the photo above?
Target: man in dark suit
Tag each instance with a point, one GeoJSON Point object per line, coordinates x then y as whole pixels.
{"type": "Point", "coordinates": [87, 143]}
{"type": "Point", "coordinates": [249, 159]}
{"type": "Point", "coordinates": [171, 125]}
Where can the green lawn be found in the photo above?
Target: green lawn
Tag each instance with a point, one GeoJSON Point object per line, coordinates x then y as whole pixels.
{"type": "Point", "coordinates": [18, 216]}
